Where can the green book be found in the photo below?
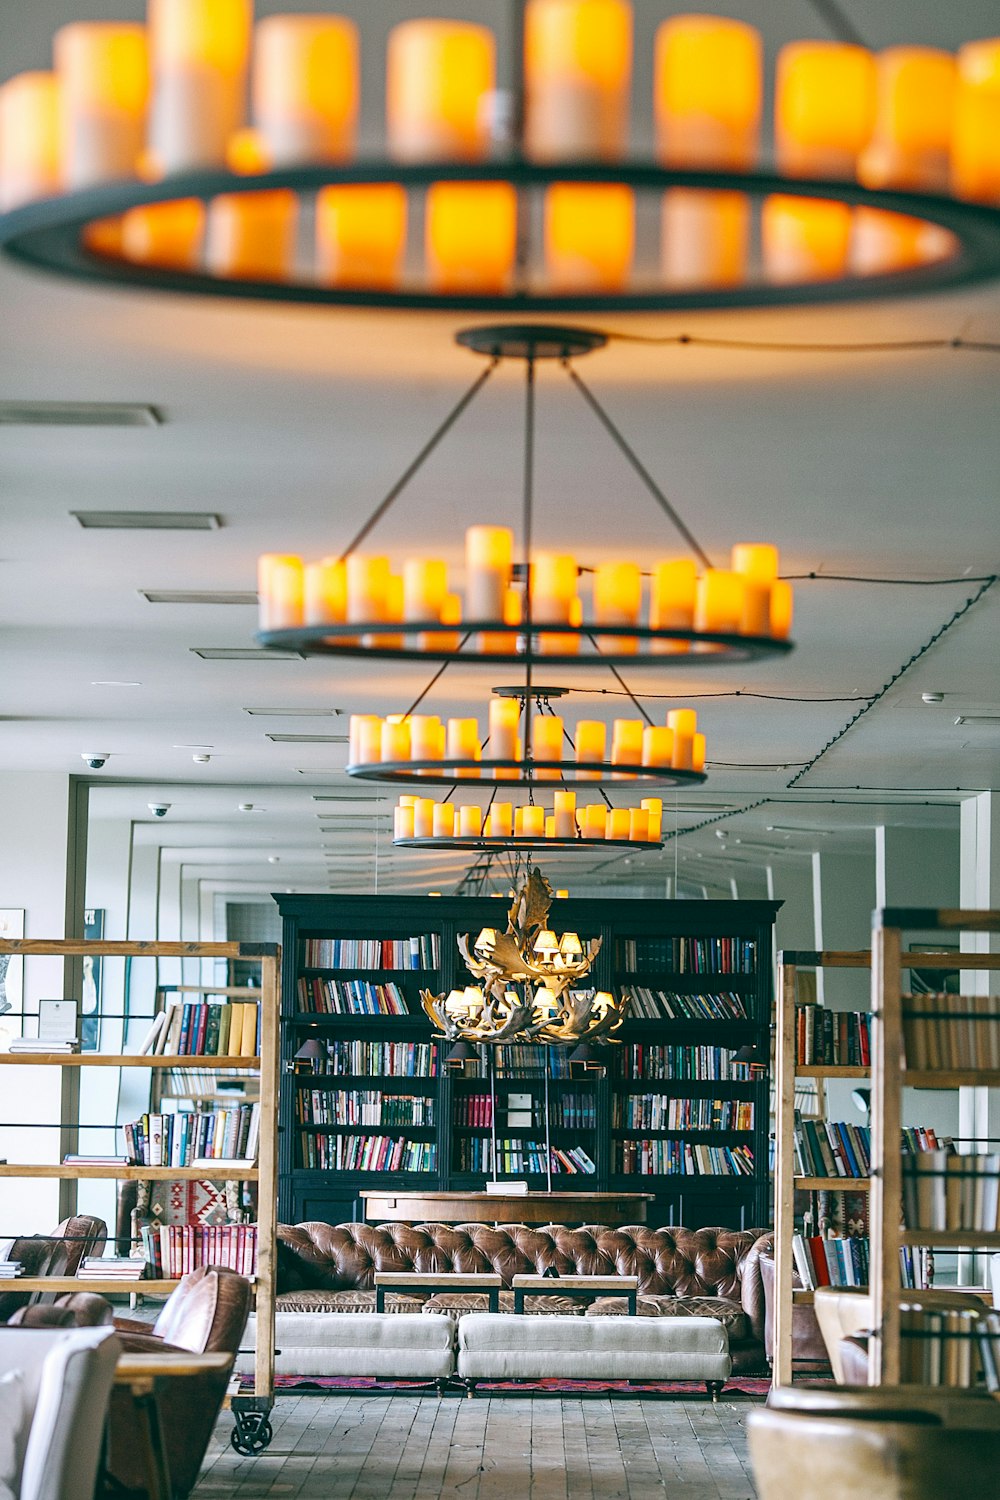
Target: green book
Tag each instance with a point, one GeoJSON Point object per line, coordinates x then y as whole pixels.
{"type": "Point", "coordinates": [221, 1048]}
{"type": "Point", "coordinates": [211, 1047]}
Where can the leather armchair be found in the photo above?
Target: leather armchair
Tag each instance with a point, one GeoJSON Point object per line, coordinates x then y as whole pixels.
{"type": "Point", "coordinates": [205, 1314]}
{"type": "Point", "coordinates": [55, 1254]}
{"type": "Point", "coordinates": [904, 1453]}
{"type": "Point", "coordinates": [66, 1377]}
{"type": "Point", "coordinates": [808, 1347]}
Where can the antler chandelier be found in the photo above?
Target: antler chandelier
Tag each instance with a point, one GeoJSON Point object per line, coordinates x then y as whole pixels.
{"type": "Point", "coordinates": [526, 983]}
{"type": "Point", "coordinates": [133, 163]}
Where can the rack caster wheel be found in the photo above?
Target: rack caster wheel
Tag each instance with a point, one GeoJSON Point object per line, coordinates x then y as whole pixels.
{"type": "Point", "coordinates": [251, 1433]}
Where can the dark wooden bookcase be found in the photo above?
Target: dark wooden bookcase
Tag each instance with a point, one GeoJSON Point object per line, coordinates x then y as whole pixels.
{"type": "Point", "coordinates": [696, 1200]}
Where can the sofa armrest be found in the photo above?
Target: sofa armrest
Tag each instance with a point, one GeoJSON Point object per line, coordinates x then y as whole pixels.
{"type": "Point", "coordinates": [752, 1297]}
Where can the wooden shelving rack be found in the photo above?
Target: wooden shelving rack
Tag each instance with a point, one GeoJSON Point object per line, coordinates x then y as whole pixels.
{"type": "Point", "coordinates": [248, 1409]}
{"type": "Point", "coordinates": [889, 1075]}
{"type": "Point", "coordinates": [787, 1070]}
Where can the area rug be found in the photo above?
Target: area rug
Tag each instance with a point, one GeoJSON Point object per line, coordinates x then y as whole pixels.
{"type": "Point", "coordinates": [741, 1387]}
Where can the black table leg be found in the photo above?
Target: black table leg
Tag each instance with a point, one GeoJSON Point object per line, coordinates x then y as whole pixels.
{"type": "Point", "coordinates": [518, 1299]}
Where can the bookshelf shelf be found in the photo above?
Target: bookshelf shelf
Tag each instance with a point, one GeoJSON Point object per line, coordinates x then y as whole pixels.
{"type": "Point", "coordinates": [263, 1066]}
{"type": "Point", "coordinates": [821, 1184]}
{"type": "Point", "coordinates": [124, 1060]}
{"type": "Point", "coordinates": [822, 1072]}
{"type": "Point", "coordinates": [890, 968]}
{"type": "Point", "coordinates": [653, 925]}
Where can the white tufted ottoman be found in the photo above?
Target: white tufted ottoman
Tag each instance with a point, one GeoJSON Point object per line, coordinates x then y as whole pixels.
{"type": "Point", "coordinates": [387, 1346]}
{"type": "Point", "coordinates": [505, 1346]}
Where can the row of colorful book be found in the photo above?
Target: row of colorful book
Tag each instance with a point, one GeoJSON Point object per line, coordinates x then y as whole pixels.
{"type": "Point", "coordinates": [830, 1261]}
{"type": "Point", "coordinates": [642, 1060]}
{"type": "Point", "coordinates": [514, 1156]}
{"type": "Point", "coordinates": [423, 952]}
{"type": "Point", "coordinates": [175, 1249]}
{"type": "Point", "coordinates": [946, 1347]}
{"type": "Point", "coordinates": [351, 997]}
{"type": "Point", "coordinates": [947, 1190]}
{"type": "Point", "coordinates": [180, 1140]}
{"type": "Point", "coordinates": [831, 1148]}
{"type": "Point", "coordinates": [526, 1060]}
{"type": "Point", "coordinates": [377, 1059]}
{"type": "Point", "coordinates": [362, 1107]}
{"type": "Point", "coordinates": [683, 955]}
{"type": "Point", "coordinates": [666, 1158]}
{"type": "Point", "coordinates": [366, 1153]}
{"type": "Point", "coordinates": [205, 1029]}
{"type": "Point", "coordinates": [659, 1005]}
{"type": "Point", "coordinates": [664, 1112]}
{"type": "Point", "coordinates": [832, 1038]}
{"type": "Point", "coordinates": [951, 1031]}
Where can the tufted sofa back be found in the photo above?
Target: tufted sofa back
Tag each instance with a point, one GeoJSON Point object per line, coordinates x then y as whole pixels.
{"type": "Point", "coordinates": [668, 1262]}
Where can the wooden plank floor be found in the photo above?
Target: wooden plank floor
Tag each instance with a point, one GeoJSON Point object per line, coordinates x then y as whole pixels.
{"type": "Point", "coordinates": [423, 1448]}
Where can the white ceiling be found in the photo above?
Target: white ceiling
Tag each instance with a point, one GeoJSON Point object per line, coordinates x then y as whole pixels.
{"type": "Point", "coordinates": [290, 424]}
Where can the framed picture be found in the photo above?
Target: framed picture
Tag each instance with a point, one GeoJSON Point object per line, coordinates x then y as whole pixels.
{"type": "Point", "coordinates": [11, 964]}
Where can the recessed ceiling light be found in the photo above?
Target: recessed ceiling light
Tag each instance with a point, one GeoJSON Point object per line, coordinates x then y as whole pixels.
{"type": "Point", "coordinates": [355, 797]}
{"type": "Point", "coordinates": [243, 653]}
{"type": "Point", "coordinates": [295, 713]}
{"type": "Point", "coordinates": [147, 520]}
{"type": "Point", "coordinates": [815, 833]}
{"type": "Point", "coordinates": [199, 596]}
{"type": "Point", "coordinates": [307, 739]}
{"type": "Point", "coordinates": [932, 697]}
{"type": "Point", "coordinates": [193, 747]}
{"type": "Point", "coordinates": [109, 682]}
{"type": "Point", "coordinates": [978, 719]}
{"type": "Point", "coordinates": [78, 414]}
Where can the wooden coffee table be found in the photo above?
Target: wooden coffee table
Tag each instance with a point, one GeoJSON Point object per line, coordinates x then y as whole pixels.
{"type": "Point", "coordinates": [440, 1281]}
{"type": "Point", "coordinates": [575, 1286]}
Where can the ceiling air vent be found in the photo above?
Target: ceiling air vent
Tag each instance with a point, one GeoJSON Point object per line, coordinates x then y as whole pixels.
{"type": "Point", "coordinates": [147, 520]}
{"type": "Point", "coordinates": [198, 596]}
{"type": "Point", "coordinates": [244, 653]}
{"type": "Point", "coordinates": [78, 414]}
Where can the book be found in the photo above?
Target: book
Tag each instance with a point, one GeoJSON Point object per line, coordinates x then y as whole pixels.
{"type": "Point", "coordinates": [149, 1041]}
{"type": "Point", "coordinates": [33, 1044]}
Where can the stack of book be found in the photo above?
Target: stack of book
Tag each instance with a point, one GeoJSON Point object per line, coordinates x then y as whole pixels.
{"type": "Point", "coordinates": [659, 1005]}
{"type": "Point", "coordinates": [362, 1107]}
{"type": "Point", "coordinates": [945, 1190]}
{"type": "Point", "coordinates": [643, 1060]}
{"type": "Point", "coordinates": [422, 952]}
{"type": "Point", "coordinates": [951, 1031]}
{"type": "Point", "coordinates": [183, 1140]}
{"type": "Point", "coordinates": [354, 997]}
{"type": "Point", "coordinates": [36, 1044]}
{"type": "Point", "coordinates": [822, 1261]}
{"type": "Point", "coordinates": [941, 1348]}
{"type": "Point", "coordinates": [111, 1268]}
{"type": "Point", "coordinates": [196, 1029]}
{"type": "Point", "coordinates": [832, 1038]}
{"type": "Point", "coordinates": [403, 1059]}
{"type": "Point", "coordinates": [831, 1148]}
{"type": "Point", "coordinates": [9, 1269]}
{"type": "Point", "coordinates": [669, 1158]}
{"type": "Point", "coordinates": [663, 1112]}
{"type": "Point", "coordinates": [172, 1250]}
{"type": "Point", "coordinates": [688, 955]}
{"type": "Point", "coordinates": [366, 1153]}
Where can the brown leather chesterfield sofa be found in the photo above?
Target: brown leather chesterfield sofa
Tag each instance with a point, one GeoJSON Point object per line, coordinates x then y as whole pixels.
{"type": "Point", "coordinates": [682, 1272]}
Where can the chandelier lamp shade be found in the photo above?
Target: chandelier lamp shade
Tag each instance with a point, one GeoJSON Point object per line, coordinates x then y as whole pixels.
{"type": "Point", "coordinates": [529, 983]}
{"type": "Point", "coordinates": [424, 823]}
{"type": "Point", "coordinates": [420, 747]}
{"type": "Point", "coordinates": [547, 605]}
{"type": "Point", "coordinates": [204, 153]}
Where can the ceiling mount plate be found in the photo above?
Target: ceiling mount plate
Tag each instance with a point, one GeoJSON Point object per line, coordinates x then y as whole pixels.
{"type": "Point", "coordinates": [530, 341]}
{"type": "Point", "coordinates": [536, 690]}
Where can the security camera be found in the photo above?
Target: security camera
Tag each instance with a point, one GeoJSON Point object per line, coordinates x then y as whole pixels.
{"type": "Point", "coordinates": [159, 809]}
{"type": "Point", "coordinates": [95, 758]}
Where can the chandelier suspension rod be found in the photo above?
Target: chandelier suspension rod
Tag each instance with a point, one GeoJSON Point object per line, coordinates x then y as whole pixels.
{"type": "Point", "coordinates": [436, 678]}
{"type": "Point", "coordinates": [626, 448]}
{"type": "Point", "coordinates": [526, 539]}
{"type": "Point", "coordinates": [625, 687]}
{"type": "Point", "coordinates": [421, 458]}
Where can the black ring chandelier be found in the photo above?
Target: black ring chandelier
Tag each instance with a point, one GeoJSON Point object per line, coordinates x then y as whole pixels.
{"type": "Point", "coordinates": [132, 164]}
